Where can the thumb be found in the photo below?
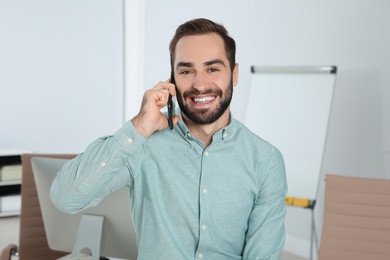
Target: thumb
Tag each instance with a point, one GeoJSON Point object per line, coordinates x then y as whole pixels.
{"type": "Point", "coordinates": [175, 119]}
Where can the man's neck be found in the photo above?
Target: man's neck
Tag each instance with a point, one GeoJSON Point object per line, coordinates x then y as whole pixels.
{"type": "Point", "coordinates": [205, 132]}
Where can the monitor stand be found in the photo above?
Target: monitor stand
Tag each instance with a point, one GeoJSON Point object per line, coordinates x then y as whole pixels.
{"type": "Point", "coordinates": [89, 236]}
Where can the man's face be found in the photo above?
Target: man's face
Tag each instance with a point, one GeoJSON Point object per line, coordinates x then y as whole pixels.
{"type": "Point", "coordinates": [203, 78]}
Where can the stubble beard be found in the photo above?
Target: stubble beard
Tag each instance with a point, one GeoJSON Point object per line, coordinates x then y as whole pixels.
{"type": "Point", "coordinates": [205, 116]}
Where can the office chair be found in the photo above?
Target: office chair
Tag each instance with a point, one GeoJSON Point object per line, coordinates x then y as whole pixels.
{"type": "Point", "coordinates": [32, 237]}
{"type": "Point", "coordinates": [356, 219]}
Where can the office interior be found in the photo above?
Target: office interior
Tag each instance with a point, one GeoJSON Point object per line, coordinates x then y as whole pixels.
{"type": "Point", "coordinates": [74, 70]}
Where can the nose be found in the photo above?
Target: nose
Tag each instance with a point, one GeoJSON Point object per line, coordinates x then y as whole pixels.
{"type": "Point", "coordinates": [200, 82]}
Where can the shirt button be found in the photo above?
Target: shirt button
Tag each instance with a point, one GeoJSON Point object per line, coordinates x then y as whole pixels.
{"type": "Point", "coordinates": [225, 135]}
{"type": "Point", "coordinates": [204, 227]}
{"type": "Point", "coordinates": [200, 255]}
{"type": "Point", "coordinates": [189, 135]}
{"type": "Point", "coordinates": [103, 164]}
{"type": "Point", "coordinates": [206, 153]}
{"type": "Point", "coordinates": [130, 140]}
{"type": "Point", "coordinates": [204, 190]}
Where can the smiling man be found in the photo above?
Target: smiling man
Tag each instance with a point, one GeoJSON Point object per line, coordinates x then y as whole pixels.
{"type": "Point", "coordinates": [208, 189]}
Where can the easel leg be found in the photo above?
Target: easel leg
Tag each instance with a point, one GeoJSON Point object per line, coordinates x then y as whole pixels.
{"type": "Point", "coordinates": [313, 236]}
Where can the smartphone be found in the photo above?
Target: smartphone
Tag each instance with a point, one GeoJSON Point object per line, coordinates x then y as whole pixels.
{"type": "Point", "coordinates": [170, 105]}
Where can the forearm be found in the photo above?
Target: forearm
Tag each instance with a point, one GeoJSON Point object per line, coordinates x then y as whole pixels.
{"type": "Point", "coordinates": [103, 168]}
{"type": "Point", "coordinates": [268, 240]}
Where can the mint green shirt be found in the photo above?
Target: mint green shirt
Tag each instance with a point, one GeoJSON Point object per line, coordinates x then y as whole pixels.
{"type": "Point", "coordinates": [225, 201]}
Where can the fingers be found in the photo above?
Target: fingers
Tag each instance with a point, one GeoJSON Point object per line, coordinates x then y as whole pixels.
{"type": "Point", "coordinates": [150, 118]}
{"type": "Point", "coordinates": [166, 87]}
{"type": "Point", "coordinates": [158, 96]}
{"type": "Point", "coordinates": [161, 92]}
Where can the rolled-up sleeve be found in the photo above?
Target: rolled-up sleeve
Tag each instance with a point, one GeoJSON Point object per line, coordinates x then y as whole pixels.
{"type": "Point", "coordinates": [266, 234]}
{"type": "Point", "coordinates": [104, 167]}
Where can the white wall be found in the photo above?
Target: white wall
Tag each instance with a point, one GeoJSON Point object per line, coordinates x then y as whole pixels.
{"type": "Point", "coordinates": [349, 34]}
{"type": "Point", "coordinates": [61, 67]}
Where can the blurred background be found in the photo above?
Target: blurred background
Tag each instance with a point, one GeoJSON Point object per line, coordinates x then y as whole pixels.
{"type": "Point", "coordinates": [74, 70]}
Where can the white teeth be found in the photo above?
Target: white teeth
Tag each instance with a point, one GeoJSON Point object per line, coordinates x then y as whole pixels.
{"type": "Point", "coordinates": [203, 99]}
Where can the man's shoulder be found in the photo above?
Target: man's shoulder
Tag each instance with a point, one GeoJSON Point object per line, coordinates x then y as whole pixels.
{"type": "Point", "coordinates": [253, 141]}
{"type": "Point", "coordinates": [244, 132]}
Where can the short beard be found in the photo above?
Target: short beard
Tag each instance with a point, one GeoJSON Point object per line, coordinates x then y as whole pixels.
{"type": "Point", "coordinates": [206, 117]}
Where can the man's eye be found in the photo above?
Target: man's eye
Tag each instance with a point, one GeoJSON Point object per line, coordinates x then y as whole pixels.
{"type": "Point", "coordinates": [213, 70]}
{"type": "Point", "coordinates": [185, 72]}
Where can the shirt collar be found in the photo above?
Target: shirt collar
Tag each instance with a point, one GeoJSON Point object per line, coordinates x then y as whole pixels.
{"type": "Point", "coordinates": [221, 135]}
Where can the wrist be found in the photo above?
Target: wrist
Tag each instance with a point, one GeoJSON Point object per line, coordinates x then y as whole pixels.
{"type": "Point", "coordinates": [140, 127]}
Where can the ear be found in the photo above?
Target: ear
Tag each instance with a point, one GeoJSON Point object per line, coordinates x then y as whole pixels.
{"type": "Point", "coordinates": [235, 74]}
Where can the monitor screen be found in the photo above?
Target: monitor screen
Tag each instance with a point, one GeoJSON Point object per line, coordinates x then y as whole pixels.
{"type": "Point", "coordinates": [117, 237]}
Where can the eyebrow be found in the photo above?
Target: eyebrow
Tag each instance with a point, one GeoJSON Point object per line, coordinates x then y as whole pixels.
{"type": "Point", "coordinates": [216, 61]}
{"type": "Point", "coordinates": [184, 64]}
{"type": "Point", "coordinates": [207, 63]}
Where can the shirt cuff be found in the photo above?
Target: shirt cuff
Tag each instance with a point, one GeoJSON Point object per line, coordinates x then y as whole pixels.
{"type": "Point", "coordinates": [129, 138]}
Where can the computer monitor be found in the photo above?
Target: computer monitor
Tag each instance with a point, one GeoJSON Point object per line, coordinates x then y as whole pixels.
{"type": "Point", "coordinates": [111, 219]}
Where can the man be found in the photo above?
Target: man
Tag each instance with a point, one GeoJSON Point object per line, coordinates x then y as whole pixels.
{"type": "Point", "coordinates": [209, 188]}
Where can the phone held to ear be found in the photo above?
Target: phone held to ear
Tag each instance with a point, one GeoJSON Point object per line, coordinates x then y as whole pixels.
{"type": "Point", "coordinates": [170, 105]}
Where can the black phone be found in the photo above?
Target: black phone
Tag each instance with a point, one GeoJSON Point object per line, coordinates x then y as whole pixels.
{"type": "Point", "coordinates": [170, 105]}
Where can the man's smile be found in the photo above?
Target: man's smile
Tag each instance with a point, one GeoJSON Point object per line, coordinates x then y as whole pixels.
{"type": "Point", "coordinates": [203, 99]}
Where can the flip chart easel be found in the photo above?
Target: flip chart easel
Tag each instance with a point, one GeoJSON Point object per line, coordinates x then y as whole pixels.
{"type": "Point", "coordinates": [290, 108]}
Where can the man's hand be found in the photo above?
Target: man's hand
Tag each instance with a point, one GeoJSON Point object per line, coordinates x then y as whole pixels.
{"type": "Point", "coordinates": [150, 118]}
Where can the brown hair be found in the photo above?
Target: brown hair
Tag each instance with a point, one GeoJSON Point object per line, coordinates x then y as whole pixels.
{"type": "Point", "coordinates": [204, 26]}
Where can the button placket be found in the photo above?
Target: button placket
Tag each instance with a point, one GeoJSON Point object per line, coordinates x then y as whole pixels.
{"type": "Point", "coordinates": [204, 239]}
